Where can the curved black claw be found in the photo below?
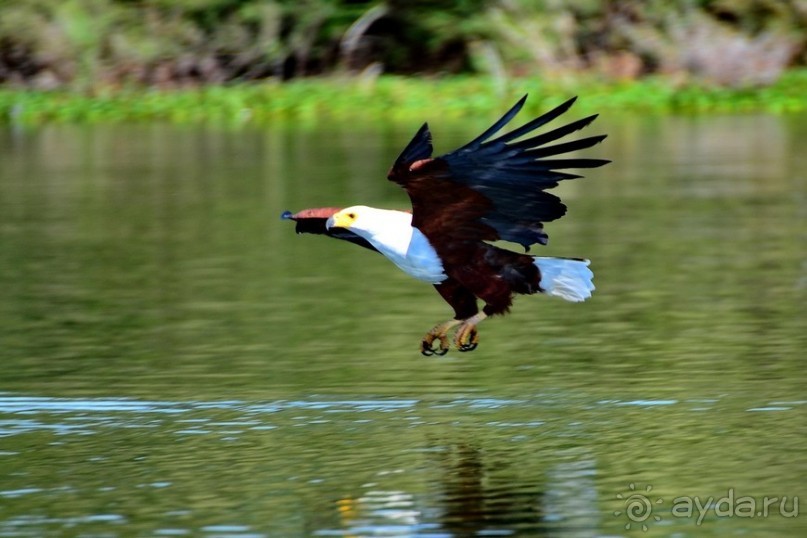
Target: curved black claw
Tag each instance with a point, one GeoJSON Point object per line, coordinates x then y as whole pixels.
{"type": "Point", "coordinates": [471, 344]}
{"type": "Point", "coordinates": [427, 349]}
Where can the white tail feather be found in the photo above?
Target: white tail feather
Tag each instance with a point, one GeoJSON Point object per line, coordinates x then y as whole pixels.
{"type": "Point", "coordinates": [565, 278]}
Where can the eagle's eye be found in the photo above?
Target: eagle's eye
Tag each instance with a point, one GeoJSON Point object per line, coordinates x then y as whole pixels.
{"type": "Point", "coordinates": [351, 216]}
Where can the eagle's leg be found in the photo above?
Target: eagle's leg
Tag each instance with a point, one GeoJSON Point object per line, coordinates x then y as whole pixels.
{"type": "Point", "coordinates": [467, 338]}
{"type": "Point", "coordinates": [463, 301]}
{"type": "Point", "coordinates": [438, 332]}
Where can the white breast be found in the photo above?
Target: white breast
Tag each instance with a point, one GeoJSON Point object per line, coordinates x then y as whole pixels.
{"type": "Point", "coordinates": [394, 237]}
{"type": "Point", "coordinates": [419, 260]}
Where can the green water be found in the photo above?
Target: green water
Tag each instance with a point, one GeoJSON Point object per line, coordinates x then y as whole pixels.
{"type": "Point", "coordinates": [175, 361]}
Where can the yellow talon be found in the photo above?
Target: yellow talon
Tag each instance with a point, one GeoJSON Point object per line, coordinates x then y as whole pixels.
{"type": "Point", "coordinates": [438, 332]}
{"type": "Point", "coordinates": [467, 337]}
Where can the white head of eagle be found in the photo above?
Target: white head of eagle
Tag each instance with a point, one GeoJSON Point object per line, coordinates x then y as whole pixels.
{"type": "Point", "coordinates": [392, 234]}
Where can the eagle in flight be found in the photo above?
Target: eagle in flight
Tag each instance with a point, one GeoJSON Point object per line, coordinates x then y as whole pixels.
{"type": "Point", "coordinates": [488, 190]}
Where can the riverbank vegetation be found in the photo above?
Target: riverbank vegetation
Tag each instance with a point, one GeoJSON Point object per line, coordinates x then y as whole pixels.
{"type": "Point", "coordinates": [253, 60]}
{"type": "Point", "coordinates": [389, 97]}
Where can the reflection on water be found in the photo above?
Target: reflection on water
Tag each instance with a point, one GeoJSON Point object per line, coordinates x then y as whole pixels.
{"type": "Point", "coordinates": [463, 467]}
{"type": "Point", "coordinates": [175, 361]}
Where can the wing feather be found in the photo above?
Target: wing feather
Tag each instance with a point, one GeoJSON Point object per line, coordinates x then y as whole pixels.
{"type": "Point", "coordinates": [530, 125]}
{"type": "Point", "coordinates": [554, 134]}
{"type": "Point", "coordinates": [474, 144]}
{"type": "Point", "coordinates": [493, 188]}
{"type": "Point", "coordinates": [566, 147]}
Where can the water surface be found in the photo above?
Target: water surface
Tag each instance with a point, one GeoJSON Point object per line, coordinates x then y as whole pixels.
{"type": "Point", "coordinates": [175, 361]}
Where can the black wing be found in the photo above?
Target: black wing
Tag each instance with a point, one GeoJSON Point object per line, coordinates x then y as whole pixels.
{"type": "Point", "coordinates": [494, 189]}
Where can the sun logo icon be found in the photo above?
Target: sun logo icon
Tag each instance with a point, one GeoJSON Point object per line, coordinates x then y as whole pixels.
{"type": "Point", "coordinates": [638, 507]}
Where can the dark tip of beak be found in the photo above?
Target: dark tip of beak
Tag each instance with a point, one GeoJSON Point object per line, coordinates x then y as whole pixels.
{"type": "Point", "coordinates": [287, 215]}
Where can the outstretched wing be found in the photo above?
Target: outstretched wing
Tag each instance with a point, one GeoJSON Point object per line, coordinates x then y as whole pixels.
{"type": "Point", "coordinates": [312, 221]}
{"type": "Point", "coordinates": [492, 189]}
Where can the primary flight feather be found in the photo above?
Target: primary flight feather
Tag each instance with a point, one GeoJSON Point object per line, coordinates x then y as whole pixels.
{"type": "Point", "coordinates": [489, 189]}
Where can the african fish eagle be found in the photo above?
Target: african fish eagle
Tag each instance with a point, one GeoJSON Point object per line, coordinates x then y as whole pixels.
{"type": "Point", "coordinates": [487, 190]}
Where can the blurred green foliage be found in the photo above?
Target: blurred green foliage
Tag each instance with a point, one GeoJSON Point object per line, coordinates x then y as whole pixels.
{"type": "Point", "coordinates": [391, 97]}
{"type": "Point", "coordinates": [92, 45]}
